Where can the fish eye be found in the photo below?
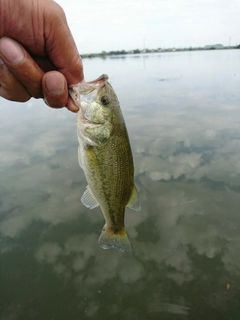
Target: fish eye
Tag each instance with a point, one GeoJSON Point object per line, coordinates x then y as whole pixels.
{"type": "Point", "coordinates": [104, 100]}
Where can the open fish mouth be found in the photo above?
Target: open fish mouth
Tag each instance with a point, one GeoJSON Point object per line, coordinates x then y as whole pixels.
{"type": "Point", "coordinates": [87, 87]}
{"type": "Point", "coordinates": [99, 81]}
{"type": "Point", "coordinates": [86, 92]}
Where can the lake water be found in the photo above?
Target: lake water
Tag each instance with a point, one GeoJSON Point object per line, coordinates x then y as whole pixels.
{"type": "Point", "coordinates": [182, 110]}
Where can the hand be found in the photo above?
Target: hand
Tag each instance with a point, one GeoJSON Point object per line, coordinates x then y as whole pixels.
{"type": "Point", "coordinates": [38, 56]}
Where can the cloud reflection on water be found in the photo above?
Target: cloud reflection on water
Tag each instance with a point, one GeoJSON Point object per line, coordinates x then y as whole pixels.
{"type": "Point", "coordinates": [188, 174]}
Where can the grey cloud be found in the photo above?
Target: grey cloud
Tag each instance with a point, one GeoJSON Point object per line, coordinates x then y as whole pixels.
{"type": "Point", "coordinates": [141, 19]}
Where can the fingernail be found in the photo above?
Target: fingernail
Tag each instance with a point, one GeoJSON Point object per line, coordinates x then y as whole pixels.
{"type": "Point", "coordinates": [11, 51]}
{"type": "Point", "coordinates": [55, 84]}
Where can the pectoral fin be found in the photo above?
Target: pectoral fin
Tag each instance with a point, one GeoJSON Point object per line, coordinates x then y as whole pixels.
{"type": "Point", "coordinates": [134, 202]}
{"type": "Point", "coordinates": [88, 199]}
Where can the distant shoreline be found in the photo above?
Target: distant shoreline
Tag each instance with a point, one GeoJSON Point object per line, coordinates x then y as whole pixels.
{"type": "Point", "coordinates": [159, 50]}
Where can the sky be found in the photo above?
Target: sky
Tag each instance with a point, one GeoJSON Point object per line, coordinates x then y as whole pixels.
{"type": "Point", "coordinates": [104, 25]}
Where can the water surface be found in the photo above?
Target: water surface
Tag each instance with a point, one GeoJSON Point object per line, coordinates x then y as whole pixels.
{"type": "Point", "coordinates": [182, 111]}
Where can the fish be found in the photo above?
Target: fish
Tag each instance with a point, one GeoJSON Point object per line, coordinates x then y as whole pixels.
{"type": "Point", "coordinates": [104, 154]}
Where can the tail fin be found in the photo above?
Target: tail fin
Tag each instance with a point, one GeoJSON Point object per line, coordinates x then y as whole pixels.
{"type": "Point", "coordinates": [108, 240]}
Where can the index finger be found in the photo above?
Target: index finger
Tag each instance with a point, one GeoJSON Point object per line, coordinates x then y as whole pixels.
{"type": "Point", "coordinates": [22, 66]}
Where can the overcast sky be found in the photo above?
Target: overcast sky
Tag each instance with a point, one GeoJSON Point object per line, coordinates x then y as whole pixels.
{"type": "Point", "coordinates": [99, 25]}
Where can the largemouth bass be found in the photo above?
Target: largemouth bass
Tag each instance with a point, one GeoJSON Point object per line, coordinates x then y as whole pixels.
{"type": "Point", "coordinates": [105, 155]}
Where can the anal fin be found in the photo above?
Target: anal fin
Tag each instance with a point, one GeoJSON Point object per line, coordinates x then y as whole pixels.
{"type": "Point", "coordinates": [134, 202]}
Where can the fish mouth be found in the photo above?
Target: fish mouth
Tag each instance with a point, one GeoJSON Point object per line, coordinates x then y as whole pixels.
{"type": "Point", "coordinates": [87, 87]}
{"type": "Point", "coordinates": [88, 90]}
{"type": "Point", "coordinates": [100, 80]}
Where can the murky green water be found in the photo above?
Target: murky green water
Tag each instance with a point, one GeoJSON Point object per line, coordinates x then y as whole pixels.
{"type": "Point", "coordinates": [183, 116]}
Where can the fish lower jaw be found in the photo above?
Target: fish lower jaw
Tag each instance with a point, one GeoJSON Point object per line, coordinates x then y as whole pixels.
{"type": "Point", "coordinates": [86, 121]}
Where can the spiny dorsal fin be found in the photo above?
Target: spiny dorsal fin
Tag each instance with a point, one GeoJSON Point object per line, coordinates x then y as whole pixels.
{"type": "Point", "coordinates": [134, 202]}
{"type": "Point", "coordinates": [88, 199]}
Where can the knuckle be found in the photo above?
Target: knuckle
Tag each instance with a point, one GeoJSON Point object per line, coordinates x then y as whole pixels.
{"type": "Point", "coordinates": [56, 13]}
